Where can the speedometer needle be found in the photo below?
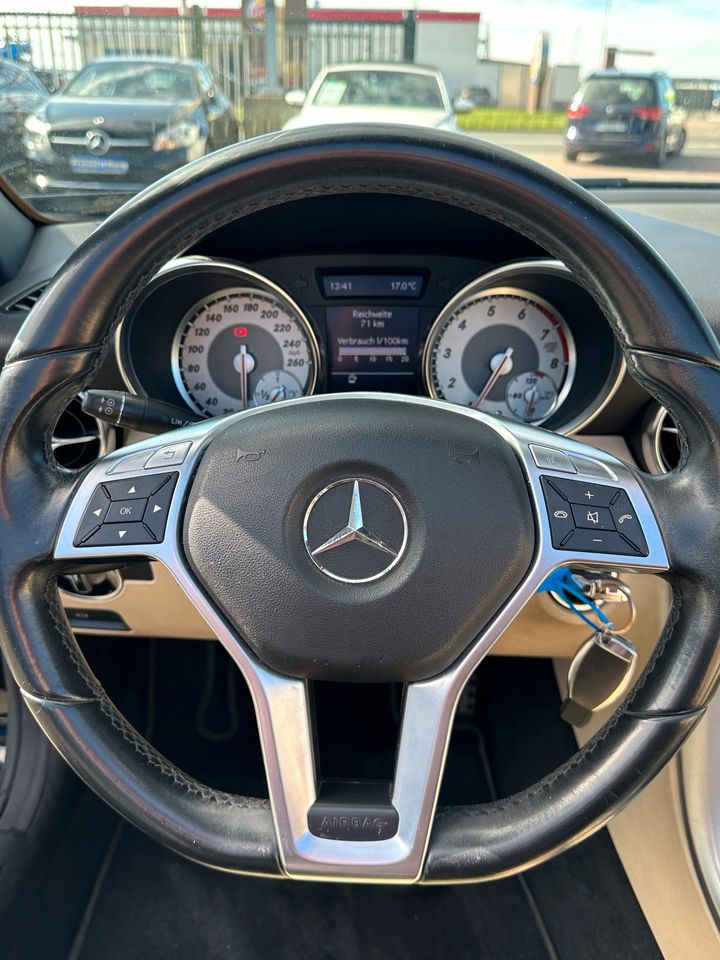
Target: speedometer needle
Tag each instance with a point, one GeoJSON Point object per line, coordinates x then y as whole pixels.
{"type": "Point", "coordinates": [497, 372]}
{"type": "Point", "coordinates": [243, 376]}
{"type": "Point", "coordinates": [244, 363]}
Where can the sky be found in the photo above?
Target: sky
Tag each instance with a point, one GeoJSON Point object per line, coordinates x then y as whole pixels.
{"type": "Point", "coordinates": [683, 36]}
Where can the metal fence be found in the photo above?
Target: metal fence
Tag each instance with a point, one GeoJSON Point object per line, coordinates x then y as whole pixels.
{"type": "Point", "coordinates": [57, 45]}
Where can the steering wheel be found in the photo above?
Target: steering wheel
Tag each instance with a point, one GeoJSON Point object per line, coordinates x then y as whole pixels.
{"type": "Point", "coordinates": [359, 537]}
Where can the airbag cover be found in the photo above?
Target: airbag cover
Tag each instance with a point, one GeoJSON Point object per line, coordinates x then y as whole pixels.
{"type": "Point", "coordinates": [466, 545]}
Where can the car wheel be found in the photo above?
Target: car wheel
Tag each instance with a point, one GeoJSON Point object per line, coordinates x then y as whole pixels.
{"type": "Point", "coordinates": [571, 156]}
{"type": "Point", "coordinates": [679, 144]}
{"type": "Point", "coordinates": [661, 154]}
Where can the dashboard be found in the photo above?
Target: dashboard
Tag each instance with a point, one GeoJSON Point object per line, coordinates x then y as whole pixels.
{"type": "Point", "coordinates": [520, 340]}
{"type": "Point", "coordinates": [334, 267]}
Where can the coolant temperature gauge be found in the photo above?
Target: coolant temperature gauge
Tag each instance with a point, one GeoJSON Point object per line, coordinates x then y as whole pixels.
{"type": "Point", "coordinates": [531, 396]}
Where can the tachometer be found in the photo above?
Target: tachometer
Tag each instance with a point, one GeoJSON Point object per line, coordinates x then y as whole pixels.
{"type": "Point", "coordinates": [244, 347]}
{"type": "Point", "coordinates": [501, 350]}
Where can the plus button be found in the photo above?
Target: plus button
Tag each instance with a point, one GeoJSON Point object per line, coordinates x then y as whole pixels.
{"type": "Point", "coordinates": [589, 495]}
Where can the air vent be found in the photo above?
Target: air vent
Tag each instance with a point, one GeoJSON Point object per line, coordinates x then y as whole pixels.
{"type": "Point", "coordinates": [660, 441]}
{"type": "Point", "coordinates": [80, 439]}
{"type": "Point", "coordinates": [27, 301]}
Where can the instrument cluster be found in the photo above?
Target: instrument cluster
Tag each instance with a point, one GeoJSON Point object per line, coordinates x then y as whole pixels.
{"type": "Point", "coordinates": [523, 340]}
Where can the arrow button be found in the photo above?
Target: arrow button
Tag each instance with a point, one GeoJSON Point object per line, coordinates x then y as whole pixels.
{"type": "Point", "coordinates": [135, 488]}
{"type": "Point", "coordinates": [95, 513]}
{"type": "Point", "coordinates": [155, 516]}
{"type": "Point", "coordinates": [115, 534]}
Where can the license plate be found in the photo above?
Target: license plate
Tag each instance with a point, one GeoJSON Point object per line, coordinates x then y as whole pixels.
{"type": "Point", "coordinates": [108, 165]}
{"type": "Point", "coordinates": [611, 126]}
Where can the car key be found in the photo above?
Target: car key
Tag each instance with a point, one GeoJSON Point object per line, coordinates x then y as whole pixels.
{"type": "Point", "coordinates": [601, 668]}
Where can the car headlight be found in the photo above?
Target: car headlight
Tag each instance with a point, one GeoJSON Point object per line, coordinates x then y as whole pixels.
{"type": "Point", "coordinates": [36, 125]}
{"type": "Point", "coordinates": [177, 136]}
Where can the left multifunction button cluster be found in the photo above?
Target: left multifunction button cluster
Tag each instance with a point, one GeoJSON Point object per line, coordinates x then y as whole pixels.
{"type": "Point", "coordinates": [129, 511]}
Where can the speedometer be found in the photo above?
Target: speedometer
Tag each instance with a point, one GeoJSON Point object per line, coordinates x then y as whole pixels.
{"type": "Point", "coordinates": [244, 347]}
{"type": "Point", "coordinates": [501, 350]}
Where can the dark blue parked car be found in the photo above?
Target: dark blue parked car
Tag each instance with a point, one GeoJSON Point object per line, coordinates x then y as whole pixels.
{"type": "Point", "coordinates": [625, 114]}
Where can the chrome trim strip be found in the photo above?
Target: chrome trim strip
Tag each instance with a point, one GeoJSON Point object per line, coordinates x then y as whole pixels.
{"type": "Point", "coordinates": [282, 704]}
{"type": "Point", "coordinates": [654, 425]}
{"type": "Point", "coordinates": [108, 186]}
{"type": "Point", "coordinates": [68, 141]}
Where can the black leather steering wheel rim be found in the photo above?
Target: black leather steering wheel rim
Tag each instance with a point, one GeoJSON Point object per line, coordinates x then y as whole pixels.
{"type": "Point", "coordinates": [667, 345]}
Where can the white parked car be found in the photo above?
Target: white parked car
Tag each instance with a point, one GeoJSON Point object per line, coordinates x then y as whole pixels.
{"type": "Point", "coordinates": [374, 93]}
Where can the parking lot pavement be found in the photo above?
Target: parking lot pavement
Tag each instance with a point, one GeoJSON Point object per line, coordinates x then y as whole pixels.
{"type": "Point", "coordinates": [699, 162]}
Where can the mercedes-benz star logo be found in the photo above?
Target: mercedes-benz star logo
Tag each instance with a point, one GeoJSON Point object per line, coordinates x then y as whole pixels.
{"type": "Point", "coordinates": [97, 142]}
{"type": "Point", "coordinates": [352, 551]}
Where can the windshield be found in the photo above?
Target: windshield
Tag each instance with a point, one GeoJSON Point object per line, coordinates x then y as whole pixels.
{"type": "Point", "coordinates": [132, 81]}
{"type": "Point", "coordinates": [116, 96]}
{"type": "Point", "coordinates": [379, 88]}
{"type": "Point", "coordinates": [15, 82]}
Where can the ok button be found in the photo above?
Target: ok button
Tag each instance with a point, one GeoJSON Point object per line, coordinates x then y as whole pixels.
{"type": "Point", "coordinates": [125, 511]}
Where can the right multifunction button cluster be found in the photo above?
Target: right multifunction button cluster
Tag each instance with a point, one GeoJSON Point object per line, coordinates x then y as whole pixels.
{"type": "Point", "coordinates": [590, 517]}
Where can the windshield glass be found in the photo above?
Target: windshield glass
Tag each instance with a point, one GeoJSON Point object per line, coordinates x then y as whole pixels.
{"type": "Point", "coordinates": [131, 81]}
{"type": "Point", "coordinates": [116, 96]}
{"type": "Point", "coordinates": [384, 89]}
{"type": "Point", "coordinates": [14, 82]}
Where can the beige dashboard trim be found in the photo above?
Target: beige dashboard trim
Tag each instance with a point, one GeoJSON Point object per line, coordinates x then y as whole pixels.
{"type": "Point", "coordinates": [150, 608]}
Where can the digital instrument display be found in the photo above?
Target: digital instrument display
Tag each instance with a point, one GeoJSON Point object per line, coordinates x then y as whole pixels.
{"type": "Point", "coordinates": [371, 344]}
{"type": "Point", "coordinates": [407, 285]}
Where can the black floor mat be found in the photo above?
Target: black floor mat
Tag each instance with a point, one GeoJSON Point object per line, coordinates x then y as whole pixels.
{"type": "Point", "coordinates": [154, 904]}
{"type": "Point", "coordinates": [580, 906]}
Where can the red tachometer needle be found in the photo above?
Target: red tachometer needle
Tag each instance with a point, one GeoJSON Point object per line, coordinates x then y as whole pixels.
{"type": "Point", "coordinates": [497, 372]}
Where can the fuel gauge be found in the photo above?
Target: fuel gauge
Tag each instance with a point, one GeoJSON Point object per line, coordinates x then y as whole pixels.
{"type": "Point", "coordinates": [275, 386]}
